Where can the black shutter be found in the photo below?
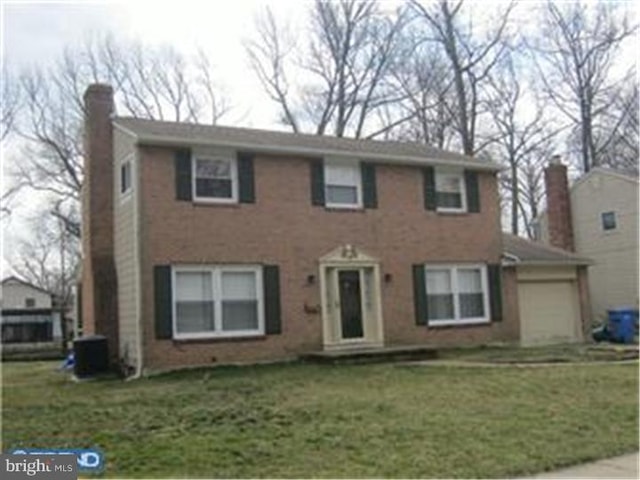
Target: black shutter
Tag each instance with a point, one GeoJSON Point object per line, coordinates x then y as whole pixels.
{"type": "Point", "coordinates": [369, 190]}
{"type": "Point", "coordinates": [317, 183]}
{"type": "Point", "coordinates": [495, 291]}
{"type": "Point", "coordinates": [271, 286]}
{"type": "Point", "coordinates": [473, 192]}
{"type": "Point", "coordinates": [246, 189]}
{"type": "Point", "coordinates": [429, 188]}
{"type": "Point", "coordinates": [163, 301]}
{"type": "Point", "coordinates": [419, 294]}
{"type": "Point", "coordinates": [183, 174]}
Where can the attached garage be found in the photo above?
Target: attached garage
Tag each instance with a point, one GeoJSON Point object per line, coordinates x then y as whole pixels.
{"type": "Point", "coordinates": [552, 301]}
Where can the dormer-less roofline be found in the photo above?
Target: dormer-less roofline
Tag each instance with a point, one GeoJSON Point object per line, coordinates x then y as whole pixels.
{"type": "Point", "coordinates": [147, 132]}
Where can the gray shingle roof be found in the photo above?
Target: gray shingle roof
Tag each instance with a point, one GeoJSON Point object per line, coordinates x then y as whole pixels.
{"type": "Point", "coordinates": [521, 251]}
{"type": "Point", "coordinates": [191, 134]}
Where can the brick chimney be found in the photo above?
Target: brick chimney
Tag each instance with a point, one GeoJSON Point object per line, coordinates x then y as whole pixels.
{"type": "Point", "coordinates": [558, 205]}
{"type": "Point", "coordinates": [99, 287]}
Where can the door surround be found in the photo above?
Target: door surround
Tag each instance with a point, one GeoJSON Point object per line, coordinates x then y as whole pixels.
{"type": "Point", "coordinates": [349, 258]}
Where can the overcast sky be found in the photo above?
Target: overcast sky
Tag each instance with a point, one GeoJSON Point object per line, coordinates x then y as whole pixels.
{"type": "Point", "coordinates": [37, 33]}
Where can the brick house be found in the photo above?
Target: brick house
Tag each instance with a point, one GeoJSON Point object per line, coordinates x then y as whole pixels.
{"type": "Point", "coordinates": [208, 244]}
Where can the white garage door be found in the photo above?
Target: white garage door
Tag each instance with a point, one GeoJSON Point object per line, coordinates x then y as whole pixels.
{"type": "Point", "coordinates": [549, 312]}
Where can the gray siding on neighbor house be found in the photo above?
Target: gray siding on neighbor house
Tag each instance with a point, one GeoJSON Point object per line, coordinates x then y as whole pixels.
{"type": "Point", "coordinates": [14, 295]}
{"type": "Point", "coordinates": [613, 279]}
{"type": "Point", "coordinates": [125, 246]}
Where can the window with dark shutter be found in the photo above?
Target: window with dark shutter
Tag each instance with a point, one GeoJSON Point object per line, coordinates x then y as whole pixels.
{"type": "Point", "coordinates": [369, 190]}
{"type": "Point", "coordinates": [163, 301]}
{"type": "Point", "coordinates": [317, 183]}
{"type": "Point", "coordinates": [246, 188]}
{"type": "Point", "coordinates": [272, 310]}
{"type": "Point", "coordinates": [473, 191]}
{"type": "Point", "coordinates": [429, 188]}
{"type": "Point", "coordinates": [183, 174]}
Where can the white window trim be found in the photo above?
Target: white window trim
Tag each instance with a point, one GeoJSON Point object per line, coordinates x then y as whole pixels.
{"type": "Point", "coordinates": [234, 177]}
{"type": "Point", "coordinates": [216, 285]}
{"type": "Point", "coordinates": [463, 190]}
{"type": "Point", "coordinates": [358, 185]}
{"type": "Point", "coordinates": [127, 194]}
{"type": "Point", "coordinates": [453, 269]}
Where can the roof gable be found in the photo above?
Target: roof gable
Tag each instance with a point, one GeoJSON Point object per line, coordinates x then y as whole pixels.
{"type": "Point", "coordinates": [600, 171]}
{"type": "Point", "coordinates": [13, 280]}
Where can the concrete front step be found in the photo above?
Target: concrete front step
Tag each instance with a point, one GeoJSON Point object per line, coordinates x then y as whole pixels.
{"type": "Point", "coordinates": [371, 355]}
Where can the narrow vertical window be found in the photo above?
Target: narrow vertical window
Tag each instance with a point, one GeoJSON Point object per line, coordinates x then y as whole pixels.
{"type": "Point", "coordinates": [125, 177]}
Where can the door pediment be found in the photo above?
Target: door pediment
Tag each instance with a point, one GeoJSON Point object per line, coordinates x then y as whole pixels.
{"type": "Point", "coordinates": [347, 254]}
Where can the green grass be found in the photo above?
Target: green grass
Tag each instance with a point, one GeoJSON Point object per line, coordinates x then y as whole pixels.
{"type": "Point", "coordinates": [300, 420]}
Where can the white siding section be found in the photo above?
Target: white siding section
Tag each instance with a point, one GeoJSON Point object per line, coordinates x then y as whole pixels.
{"type": "Point", "coordinates": [613, 279]}
{"type": "Point", "coordinates": [15, 294]}
{"type": "Point", "coordinates": [125, 246]}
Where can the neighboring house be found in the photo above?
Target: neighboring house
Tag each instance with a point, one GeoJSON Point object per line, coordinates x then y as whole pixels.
{"type": "Point", "coordinates": [206, 244]}
{"type": "Point", "coordinates": [29, 321]}
{"type": "Point", "coordinates": [598, 218]}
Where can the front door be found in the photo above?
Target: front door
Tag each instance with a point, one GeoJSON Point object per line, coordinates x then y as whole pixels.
{"type": "Point", "coordinates": [350, 303]}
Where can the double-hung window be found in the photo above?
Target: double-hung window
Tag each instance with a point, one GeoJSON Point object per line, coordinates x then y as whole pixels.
{"type": "Point", "coordinates": [217, 301]}
{"type": "Point", "coordinates": [456, 294]}
{"type": "Point", "coordinates": [215, 178]}
{"type": "Point", "coordinates": [450, 191]}
{"type": "Point", "coordinates": [343, 185]}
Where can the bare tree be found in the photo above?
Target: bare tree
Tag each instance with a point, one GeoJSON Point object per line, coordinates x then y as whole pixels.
{"type": "Point", "coordinates": [522, 135]}
{"type": "Point", "coordinates": [471, 55]}
{"type": "Point", "coordinates": [575, 51]}
{"type": "Point", "coordinates": [351, 51]}
{"type": "Point", "coordinates": [619, 148]}
{"type": "Point", "coordinates": [11, 97]}
{"type": "Point", "coordinates": [150, 83]}
{"type": "Point", "coordinates": [48, 257]}
{"type": "Point", "coordinates": [425, 92]}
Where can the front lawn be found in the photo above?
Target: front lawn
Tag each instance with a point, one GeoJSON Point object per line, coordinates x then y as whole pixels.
{"type": "Point", "coordinates": [330, 421]}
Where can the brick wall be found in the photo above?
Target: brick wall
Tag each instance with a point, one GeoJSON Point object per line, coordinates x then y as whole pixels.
{"type": "Point", "coordinates": [283, 228]}
{"type": "Point", "coordinates": [558, 205]}
{"type": "Point", "coordinates": [99, 287]}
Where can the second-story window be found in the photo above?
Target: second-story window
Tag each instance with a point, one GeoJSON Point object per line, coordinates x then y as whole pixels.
{"type": "Point", "coordinates": [450, 192]}
{"type": "Point", "coordinates": [215, 179]}
{"type": "Point", "coordinates": [343, 185]}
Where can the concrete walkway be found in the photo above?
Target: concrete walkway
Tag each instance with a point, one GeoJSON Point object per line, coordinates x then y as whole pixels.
{"type": "Point", "coordinates": [624, 466]}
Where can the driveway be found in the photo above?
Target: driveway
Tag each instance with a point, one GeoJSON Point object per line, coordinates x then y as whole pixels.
{"type": "Point", "coordinates": [624, 466]}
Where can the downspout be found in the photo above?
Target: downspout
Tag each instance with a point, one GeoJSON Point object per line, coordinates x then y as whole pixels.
{"type": "Point", "coordinates": [136, 215]}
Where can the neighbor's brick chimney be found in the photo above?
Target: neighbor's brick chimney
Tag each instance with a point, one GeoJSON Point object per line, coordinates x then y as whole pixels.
{"type": "Point", "coordinates": [99, 287]}
{"type": "Point", "coordinates": [558, 204]}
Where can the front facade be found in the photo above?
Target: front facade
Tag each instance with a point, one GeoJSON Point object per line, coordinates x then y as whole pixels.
{"type": "Point", "coordinates": [230, 245]}
{"type": "Point", "coordinates": [29, 322]}
{"type": "Point", "coordinates": [604, 219]}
